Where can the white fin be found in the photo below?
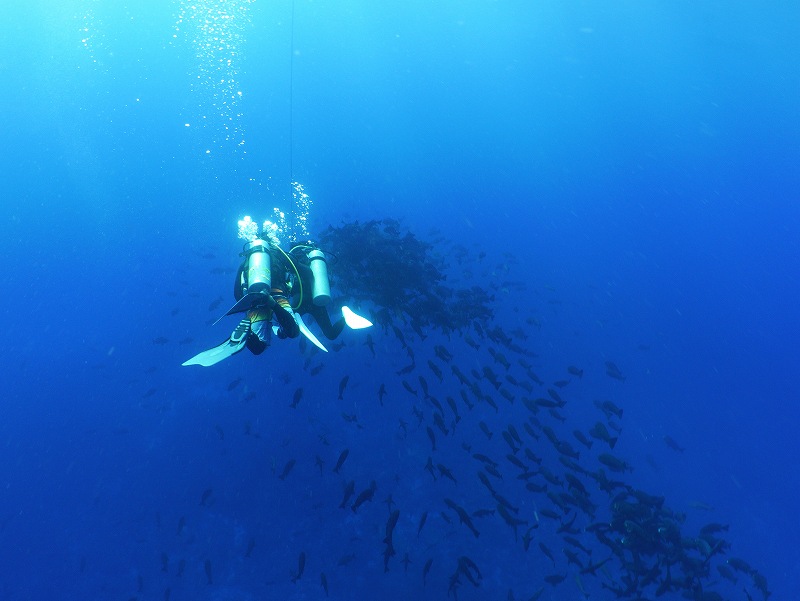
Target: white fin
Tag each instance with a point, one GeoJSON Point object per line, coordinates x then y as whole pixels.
{"type": "Point", "coordinates": [354, 321]}
{"type": "Point", "coordinates": [307, 333]}
{"type": "Point", "coordinates": [216, 354]}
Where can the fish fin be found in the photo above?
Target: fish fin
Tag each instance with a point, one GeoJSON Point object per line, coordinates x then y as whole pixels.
{"type": "Point", "coordinates": [355, 321]}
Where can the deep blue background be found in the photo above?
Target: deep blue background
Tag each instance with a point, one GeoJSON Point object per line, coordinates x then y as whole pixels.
{"type": "Point", "coordinates": [639, 159]}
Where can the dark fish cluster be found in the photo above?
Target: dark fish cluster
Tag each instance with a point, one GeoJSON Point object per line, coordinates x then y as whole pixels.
{"type": "Point", "coordinates": [401, 274]}
{"type": "Point", "coordinates": [501, 451]}
{"type": "Point", "coordinates": [648, 551]}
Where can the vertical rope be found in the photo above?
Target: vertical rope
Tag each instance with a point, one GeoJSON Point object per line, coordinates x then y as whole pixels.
{"type": "Point", "coordinates": [291, 109]}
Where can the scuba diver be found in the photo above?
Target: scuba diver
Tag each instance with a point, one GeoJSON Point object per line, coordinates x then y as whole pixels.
{"type": "Point", "coordinates": [272, 283]}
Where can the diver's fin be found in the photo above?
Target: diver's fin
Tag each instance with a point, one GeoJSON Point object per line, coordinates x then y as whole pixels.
{"type": "Point", "coordinates": [354, 321]}
{"type": "Point", "coordinates": [215, 355]}
{"type": "Point", "coordinates": [307, 333]}
{"type": "Point", "coordinates": [230, 347]}
{"type": "Point", "coordinates": [249, 301]}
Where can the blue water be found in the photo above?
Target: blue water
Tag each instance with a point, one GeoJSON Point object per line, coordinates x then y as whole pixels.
{"type": "Point", "coordinates": [633, 163]}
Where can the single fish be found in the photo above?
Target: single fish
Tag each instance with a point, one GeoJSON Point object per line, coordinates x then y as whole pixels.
{"type": "Point", "coordinates": [435, 370]}
{"type": "Point", "coordinates": [342, 386]}
{"type": "Point", "coordinates": [670, 442]}
{"type": "Point", "coordinates": [316, 369]}
{"type": "Point", "coordinates": [409, 388]}
{"type": "Point", "coordinates": [301, 566]}
{"type": "Point", "coordinates": [574, 371]}
{"type": "Point", "coordinates": [600, 432]}
{"type": "Point", "coordinates": [431, 436]}
{"type": "Point", "coordinates": [342, 456]}
{"type": "Point", "coordinates": [613, 463]}
{"type": "Point", "coordinates": [446, 473]}
{"type": "Point", "coordinates": [424, 385]}
{"type": "Point", "coordinates": [425, 569]}
{"type": "Point", "coordinates": [298, 395]}
{"type": "Point", "coordinates": [407, 369]}
{"type": "Point", "coordinates": [364, 496]}
{"type": "Point", "coordinates": [390, 524]}
{"type": "Point", "coordinates": [547, 552]}
{"type": "Point", "coordinates": [286, 469]}
{"type": "Point", "coordinates": [423, 518]}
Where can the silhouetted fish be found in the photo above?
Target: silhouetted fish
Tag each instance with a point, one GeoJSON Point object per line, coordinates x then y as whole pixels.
{"type": "Point", "coordinates": [339, 462]}
{"type": "Point", "coordinates": [286, 469]}
{"type": "Point", "coordinates": [670, 442]}
{"type": "Point", "coordinates": [301, 566]}
{"type": "Point", "coordinates": [342, 386]}
{"type": "Point", "coordinates": [298, 395]}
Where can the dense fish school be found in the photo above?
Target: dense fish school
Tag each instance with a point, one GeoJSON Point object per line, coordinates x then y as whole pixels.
{"type": "Point", "coordinates": [437, 458]}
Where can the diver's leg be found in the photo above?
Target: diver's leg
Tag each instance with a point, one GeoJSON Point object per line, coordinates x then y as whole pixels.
{"type": "Point", "coordinates": [285, 316]}
{"type": "Point", "coordinates": [331, 330]}
{"type": "Point", "coordinates": [255, 345]}
{"type": "Point", "coordinates": [260, 331]}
